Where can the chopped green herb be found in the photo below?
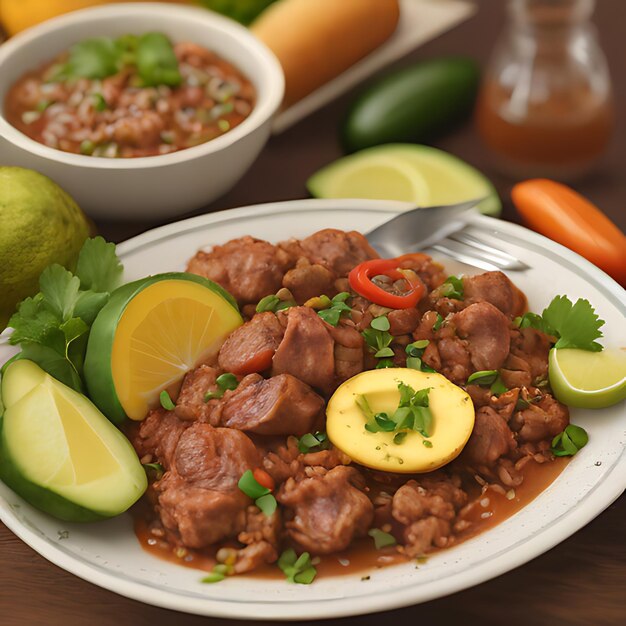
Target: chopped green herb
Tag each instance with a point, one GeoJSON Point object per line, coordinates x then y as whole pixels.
{"type": "Point", "coordinates": [335, 308]}
{"type": "Point", "coordinates": [570, 441]}
{"type": "Point", "coordinates": [438, 322]}
{"type": "Point", "coordinates": [99, 103]}
{"type": "Point", "coordinates": [488, 378]}
{"type": "Point", "coordinates": [428, 444]}
{"type": "Point", "coordinates": [157, 468]}
{"type": "Point", "coordinates": [52, 327]}
{"type": "Point", "coordinates": [42, 105]}
{"type": "Point", "coordinates": [267, 504]}
{"type": "Point", "coordinates": [311, 442]}
{"type": "Point", "coordinates": [166, 401]}
{"type": "Point", "coordinates": [381, 538]}
{"type": "Point", "coordinates": [399, 437]}
{"type": "Point", "coordinates": [223, 125]}
{"type": "Point", "coordinates": [273, 304]}
{"type": "Point", "coordinates": [498, 387]}
{"type": "Point", "coordinates": [378, 340]}
{"type": "Point", "coordinates": [87, 147]}
{"type": "Point", "coordinates": [575, 325]}
{"type": "Point", "coordinates": [383, 363]}
{"type": "Point", "coordinates": [91, 58]}
{"type": "Point", "coordinates": [261, 495]}
{"type": "Point", "coordinates": [452, 288]}
{"type": "Point", "coordinates": [157, 63]}
{"type": "Point", "coordinates": [384, 352]}
{"type": "Point", "coordinates": [297, 569]}
{"type": "Point", "coordinates": [380, 323]}
{"type": "Point", "coordinates": [414, 353]}
{"type": "Point", "coordinates": [213, 577]}
{"type": "Point", "coordinates": [225, 382]}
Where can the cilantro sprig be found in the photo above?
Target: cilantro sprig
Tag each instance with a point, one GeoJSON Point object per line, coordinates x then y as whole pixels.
{"type": "Point", "coordinates": [297, 569]}
{"type": "Point", "coordinates": [335, 308]}
{"type": "Point", "coordinates": [413, 414]}
{"type": "Point", "coordinates": [378, 340]}
{"type": "Point", "coordinates": [575, 325]}
{"type": "Point", "coordinates": [570, 441]}
{"type": "Point", "coordinates": [53, 326]}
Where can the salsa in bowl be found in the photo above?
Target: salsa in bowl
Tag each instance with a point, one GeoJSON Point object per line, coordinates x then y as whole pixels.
{"type": "Point", "coordinates": [159, 179]}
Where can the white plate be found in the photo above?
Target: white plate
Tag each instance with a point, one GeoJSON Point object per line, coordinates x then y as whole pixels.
{"type": "Point", "coordinates": [107, 553]}
{"type": "Point", "coordinates": [420, 21]}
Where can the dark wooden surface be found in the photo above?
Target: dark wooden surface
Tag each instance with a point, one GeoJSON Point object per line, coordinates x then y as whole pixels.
{"type": "Point", "coordinates": [579, 582]}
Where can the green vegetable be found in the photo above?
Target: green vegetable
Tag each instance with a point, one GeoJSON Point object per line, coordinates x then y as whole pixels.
{"type": "Point", "coordinates": [575, 325]}
{"type": "Point", "coordinates": [452, 288]}
{"type": "Point", "coordinates": [156, 62]}
{"type": "Point", "coordinates": [313, 442]}
{"type": "Point", "coordinates": [488, 378]}
{"type": "Point", "coordinates": [244, 11]}
{"type": "Point", "coordinates": [157, 468]}
{"type": "Point", "coordinates": [53, 326]}
{"type": "Point", "coordinates": [413, 413]}
{"type": "Point", "coordinates": [59, 453]}
{"type": "Point", "coordinates": [94, 58]}
{"type": "Point", "coordinates": [335, 309]}
{"type": "Point", "coordinates": [414, 104]}
{"type": "Point", "coordinates": [297, 569]}
{"type": "Point", "coordinates": [261, 495]}
{"type": "Point", "coordinates": [438, 322]}
{"type": "Point", "coordinates": [378, 340]}
{"type": "Point", "coordinates": [414, 353]}
{"type": "Point", "coordinates": [213, 577]}
{"type": "Point", "coordinates": [570, 441]}
{"type": "Point", "coordinates": [381, 538]}
{"type": "Point", "coordinates": [224, 382]}
{"type": "Point", "coordinates": [166, 401]}
{"type": "Point", "coordinates": [273, 304]}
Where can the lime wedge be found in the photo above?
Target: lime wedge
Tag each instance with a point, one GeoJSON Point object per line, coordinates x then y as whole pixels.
{"type": "Point", "coordinates": [408, 172]}
{"type": "Point", "coordinates": [591, 380]}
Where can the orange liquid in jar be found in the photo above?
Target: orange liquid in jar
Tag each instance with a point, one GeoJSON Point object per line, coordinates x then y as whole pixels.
{"type": "Point", "coordinates": [560, 137]}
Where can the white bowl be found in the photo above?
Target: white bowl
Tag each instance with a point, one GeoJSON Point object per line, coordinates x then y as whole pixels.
{"type": "Point", "coordinates": [156, 186]}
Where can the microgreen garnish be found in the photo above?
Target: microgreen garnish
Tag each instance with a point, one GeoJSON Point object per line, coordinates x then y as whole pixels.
{"type": "Point", "coordinates": [313, 442]}
{"type": "Point", "coordinates": [157, 468]}
{"type": "Point", "coordinates": [378, 340]}
{"type": "Point", "coordinates": [381, 538]}
{"type": "Point", "coordinates": [52, 327]}
{"type": "Point", "coordinates": [522, 403]}
{"type": "Point", "coordinates": [570, 441]}
{"type": "Point", "coordinates": [488, 378]}
{"type": "Point", "coordinates": [413, 414]}
{"type": "Point", "coordinates": [99, 57]}
{"type": "Point", "coordinates": [336, 307]}
{"type": "Point", "coordinates": [273, 304]}
{"type": "Point", "coordinates": [414, 353]}
{"type": "Point", "coordinates": [575, 325]}
{"type": "Point", "coordinates": [452, 288]}
{"type": "Point", "coordinates": [297, 569]}
{"type": "Point", "coordinates": [166, 401]}
{"type": "Point", "coordinates": [225, 382]}
{"type": "Point", "coordinates": [438, 322]}
{"type": "Point", "coordinates": [261, 495]}
{"type": "Point", "coordinates": [99, 103]}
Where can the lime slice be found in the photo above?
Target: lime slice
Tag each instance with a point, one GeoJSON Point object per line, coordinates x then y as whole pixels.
{"type": "Point", "coordinates": [149, 335]}
{"type": "Point", "coordinates": [384, 172]}
{"type": "Point", "coordinates": [60, 453]}
{"type": "Point", "coordinates": [591, 380]}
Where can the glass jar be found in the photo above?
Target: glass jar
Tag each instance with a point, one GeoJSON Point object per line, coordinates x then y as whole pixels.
{"type": "Point", "coordinates": [545, 105]}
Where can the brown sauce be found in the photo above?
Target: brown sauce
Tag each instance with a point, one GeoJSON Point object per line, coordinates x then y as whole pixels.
{"type": "Point", "coordinates": [490, 508]}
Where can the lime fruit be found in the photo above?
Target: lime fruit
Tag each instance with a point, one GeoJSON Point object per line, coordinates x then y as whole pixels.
{"type": "Point", "coordinates": [413, 173]}
{"type": "Point", "coordinates": [59, 453]}
{"type": "Point", "coordinates": [40, 224]}
{"type": "Point", "coordinates": [590, 380]}
{"type": "Point", "coordinates": [149, 335]}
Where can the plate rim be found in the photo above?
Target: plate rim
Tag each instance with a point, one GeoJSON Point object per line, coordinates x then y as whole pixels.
{"type": "Point", "coordinates": [599, 498]}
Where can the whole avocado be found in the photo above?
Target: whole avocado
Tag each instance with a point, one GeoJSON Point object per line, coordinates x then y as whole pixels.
{"type": "Point", "coordinates": [413, 104]}
{"type": "Point", "coordinates": [40, 224]}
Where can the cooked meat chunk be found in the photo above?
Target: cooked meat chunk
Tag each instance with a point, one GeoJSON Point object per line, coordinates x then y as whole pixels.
{"type": "Point", "coordinates": [455, 359]}
{"type": "Point", "coordinates": [497, 289]}
{"type": "Point", "coordinates": [348, 351]}
{"type": "Point", "coordinates": [486, 331]}
{"type": "Point", "coordinates": [431, 273]}
{"type": "Point", "coordinates": [281, 405]}
{"type": "Point", "coordinates": [307, 350]}
{"type": "Point", "coordinates": [250, 347]}
{"type": "Point", "coordinates": [261, 537]}
{"type": "Point", "coordinates": [532, 347]}
{"type": "Point", "coordinates": [253, 556]}
{"type": "Point", "coordinates": [190, 404]}
{"type": "Point", "coordinates": [426, 508]}
{"type": "Point", "coordinates": [337, 250]}
{"type": "Point", "coordinates": [541, 420]}
{"type": "Point", "coordinates": [403, 321]}
{"type": "Point", "coordinates": [248, 268]}
{"type": "Point", "coordinates": [505, 403]}
{"type": "Point", "coordinates": [308, 280]}
{"type": "Point", "coordinates": [214, 458]}
{"type": "Point", "coordinates": [158, 436]}
{"type": "Point", "coordinates": [326, 510]}
{"type": "Point", "coordinates": [490, 439]}
{"type": "Point", "coordinates": [199, 500]}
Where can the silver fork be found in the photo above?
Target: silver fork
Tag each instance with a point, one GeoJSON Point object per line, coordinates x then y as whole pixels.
{"type": "Point", "coordinates": [440, 228]}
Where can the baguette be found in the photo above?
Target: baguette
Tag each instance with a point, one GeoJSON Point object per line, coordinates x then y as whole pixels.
{"type": "Point", "coordinates": [316, 40]}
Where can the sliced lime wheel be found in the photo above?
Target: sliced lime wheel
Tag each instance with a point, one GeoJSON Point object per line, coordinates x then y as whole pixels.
{"type": "Point", "coordinates": [591, 380]}
{"type": "Point", "coordinates": [149, 335]}
{"type": "Point", "coordinates": [413, 173]}
{"type": "Point", "coordinates": [60, 453]}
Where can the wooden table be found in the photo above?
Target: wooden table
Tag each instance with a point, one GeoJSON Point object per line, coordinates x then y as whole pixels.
{"type": "Point", "coordinates": [580, 582]}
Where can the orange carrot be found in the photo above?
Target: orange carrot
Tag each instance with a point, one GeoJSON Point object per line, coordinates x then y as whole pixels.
{"type": "Point", "coordinates": [560, 213]}
{"type": "Point", "coordinates": [263, 478]}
